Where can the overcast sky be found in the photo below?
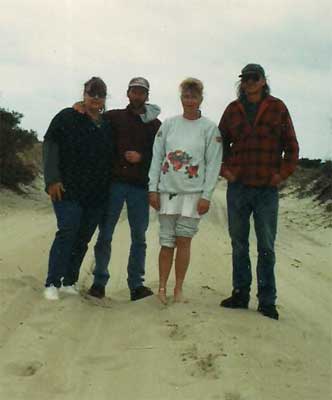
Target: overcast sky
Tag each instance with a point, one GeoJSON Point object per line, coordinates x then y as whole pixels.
{"type": "Point", "coordinates": [49, 48]}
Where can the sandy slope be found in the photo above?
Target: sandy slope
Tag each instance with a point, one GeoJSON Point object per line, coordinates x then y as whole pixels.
{"type": "Point", "coordinates": [80, 349]}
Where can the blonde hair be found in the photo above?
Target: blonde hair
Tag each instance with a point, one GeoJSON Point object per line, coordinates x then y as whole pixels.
{"type": "Point", "coordinates": [192, 85]}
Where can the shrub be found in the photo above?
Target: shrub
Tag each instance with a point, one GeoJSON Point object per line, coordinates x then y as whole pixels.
{"type": "Point", "coordinates": [15, 140]}
{"type": "Point", "coordinates": [308, 163]}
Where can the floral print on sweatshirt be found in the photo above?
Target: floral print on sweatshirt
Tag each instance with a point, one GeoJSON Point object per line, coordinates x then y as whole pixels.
{"type": "Point", "coordinates": [178, 160]}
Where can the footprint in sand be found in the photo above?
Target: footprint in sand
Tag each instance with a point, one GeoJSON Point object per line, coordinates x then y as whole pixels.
{"type": "Point", "coordinates": [296, 263]}
{"type": "Point", "coordinates": [24, 369]}
{"type": "Point", "coordinates": [204, 365]}
{"type": "Point", "coordinates": [105, 302]}
{"type": "Point", "coordinates": [176, 332]}
{"type": "Point", "coordinates": [190, 354]}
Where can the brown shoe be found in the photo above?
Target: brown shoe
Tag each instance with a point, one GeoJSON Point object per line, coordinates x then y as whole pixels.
{"type": "Point", "coordinates": [97, 291]}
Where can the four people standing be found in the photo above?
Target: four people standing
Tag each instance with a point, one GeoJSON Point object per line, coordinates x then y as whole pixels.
{"type": "Point", "coordinates": [260, 151]}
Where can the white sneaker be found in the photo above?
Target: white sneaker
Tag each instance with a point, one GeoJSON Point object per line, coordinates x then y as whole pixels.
{"type": "Point", "coordinates": [72, 289]}
{"type": "Point", "coordinates": [51, 293]}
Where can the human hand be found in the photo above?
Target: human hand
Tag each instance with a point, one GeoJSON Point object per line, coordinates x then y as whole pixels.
{"type": "Point", "coordinates": [154, 200]}
{"type": "Point", "coordinates": [133, 156]}
{"type": "Point", "coordinates": [55, 190]}
{"type": "Point", "coordinates": [203, 206]}
{"type": "Point", "coordinates": [229, 176]}
{"type": "Point", "coordinates": [275, 180]}
{"type": "Point", "coordinates": [79, 107]}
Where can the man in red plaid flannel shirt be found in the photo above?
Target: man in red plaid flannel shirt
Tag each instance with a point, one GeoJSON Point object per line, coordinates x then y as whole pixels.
{"type": "Point", "coordinates": [260, 151]}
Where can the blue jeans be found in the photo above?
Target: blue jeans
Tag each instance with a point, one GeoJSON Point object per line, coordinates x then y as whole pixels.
{"type": "Point", "coordinates": [262, 203]}
{"type": "Point", "coordinates": [136, 198]}
{"type": "Point", "coordinates": [76, 226]}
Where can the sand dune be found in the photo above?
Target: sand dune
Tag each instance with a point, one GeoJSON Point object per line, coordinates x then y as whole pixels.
{"type": "Point", "coordinates": [117, 350]}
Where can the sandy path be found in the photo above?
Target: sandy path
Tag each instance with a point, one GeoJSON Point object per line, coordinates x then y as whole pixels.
{"type": "Point", "coordinates": [80, 349]}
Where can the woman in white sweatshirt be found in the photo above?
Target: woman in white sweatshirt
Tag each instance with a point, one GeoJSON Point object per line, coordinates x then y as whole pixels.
{"type": "Point", "coordinates": [183, 174]}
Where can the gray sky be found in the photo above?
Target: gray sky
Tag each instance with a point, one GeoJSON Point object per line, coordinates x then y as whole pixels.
{"type": "Point", "coordinates": [49, 48]}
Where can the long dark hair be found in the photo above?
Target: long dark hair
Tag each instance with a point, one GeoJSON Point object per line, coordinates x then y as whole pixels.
{"type": "Point", "coordinates": [241, 95]}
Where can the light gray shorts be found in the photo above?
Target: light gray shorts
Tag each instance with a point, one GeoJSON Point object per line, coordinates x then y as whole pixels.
{"type": "Point", "coordinates": [172, 226]}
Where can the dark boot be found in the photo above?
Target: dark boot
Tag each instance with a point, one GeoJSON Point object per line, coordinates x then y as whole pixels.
{"type": "Point", "coordinates": [268, 311]}
{"type": "Point", "coordinates": [239, 299]}
{"type": "Point", "coordinates": [97, 291]}
{"type": "Point", "coordinates": [140, 292]}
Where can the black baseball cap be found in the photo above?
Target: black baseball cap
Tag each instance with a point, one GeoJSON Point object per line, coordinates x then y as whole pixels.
{"type": "Point", "coordinates": [252, 69]}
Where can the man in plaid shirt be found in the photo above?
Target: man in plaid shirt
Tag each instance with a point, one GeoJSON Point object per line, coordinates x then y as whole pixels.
{"type": "Point", "coordinates": [260, 151]}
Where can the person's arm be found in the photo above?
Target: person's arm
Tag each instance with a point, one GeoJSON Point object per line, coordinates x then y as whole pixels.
{"type": "Point", "coordinates": [158, 157]}
{"type": "Point", "coordinates": [79, 107]}
{"type": "Point", "coordinates": [226, 142]}
{"type": "Point", "coordinates": [51, 161]}
{"type": "Point", "coordinates": [146, 155]}
{"type": "Point", "coordinates": [289, 145]}
{"type": "Point", "coordinates": [213, 155]}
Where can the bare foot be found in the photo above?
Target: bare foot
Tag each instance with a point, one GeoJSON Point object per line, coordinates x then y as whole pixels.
{"type": "Point", "coordinates": [178, 296]}
{"type": "Point", "coordinates": [162, 295]}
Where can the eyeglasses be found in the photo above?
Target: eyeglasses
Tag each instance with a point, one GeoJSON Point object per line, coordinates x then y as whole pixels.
{"type": "Point", "coordinates": [96, 94]}
{"type": "Point", "coordinates": [254, 77]}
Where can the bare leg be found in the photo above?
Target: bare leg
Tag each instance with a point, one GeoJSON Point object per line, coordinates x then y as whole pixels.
{"type": "Point", "coordinates": [165, 265]}
{"type": "Point", "coordinates": [182, 260]}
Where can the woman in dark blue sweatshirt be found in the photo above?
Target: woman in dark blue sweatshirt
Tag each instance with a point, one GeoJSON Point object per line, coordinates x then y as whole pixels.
{"type": "Point", "coordinates": [77, 154]}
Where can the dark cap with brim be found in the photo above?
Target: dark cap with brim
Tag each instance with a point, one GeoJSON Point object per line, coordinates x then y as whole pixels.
{"type": "Point", "coordinates": [252, 69]}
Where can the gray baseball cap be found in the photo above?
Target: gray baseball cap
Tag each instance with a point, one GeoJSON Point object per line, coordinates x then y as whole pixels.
{"type": "Point", "coordinates": [252, 69]}
{"type": "Point", "coordinates": [140, 82]}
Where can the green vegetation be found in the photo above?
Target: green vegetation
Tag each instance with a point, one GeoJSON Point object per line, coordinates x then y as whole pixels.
{"type": "Point", "coordinates": [313, 178]}
{"type": "Point", "coordinates": [310, 163]}
{"type": "Point", "coordinates": [14, 143]}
